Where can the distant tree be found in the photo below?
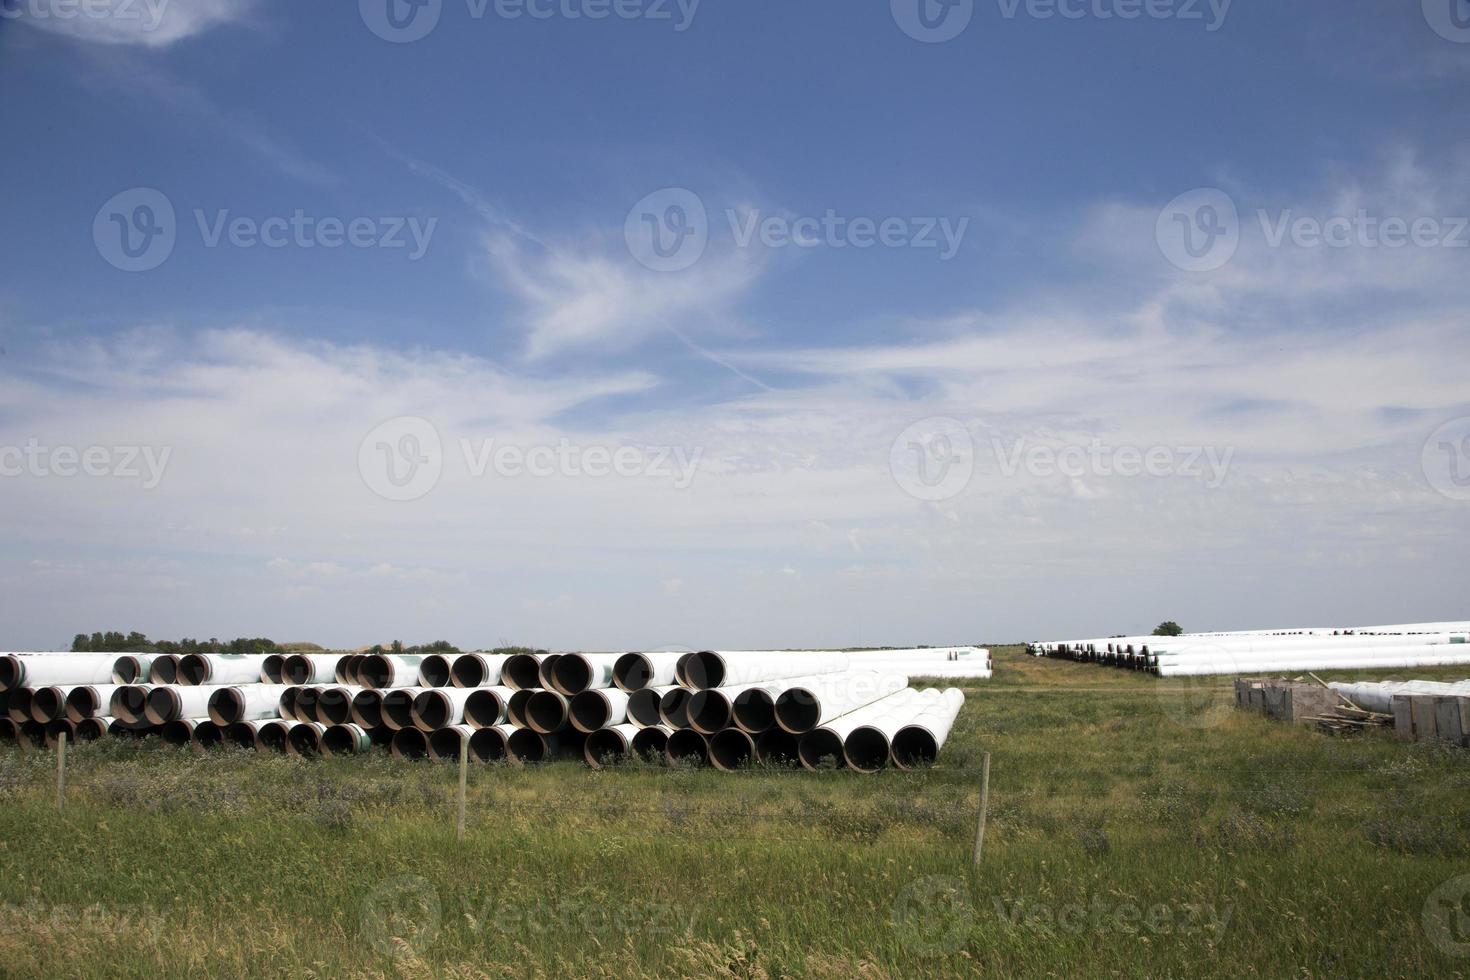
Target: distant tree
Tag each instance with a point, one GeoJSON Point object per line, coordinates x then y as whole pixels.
{"type": "Point", "coordinates": [1169, 628]}
{"type": "Point", "coordinates": [81, 643]}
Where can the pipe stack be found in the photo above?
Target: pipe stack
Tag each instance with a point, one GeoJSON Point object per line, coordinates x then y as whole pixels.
{"type": "Point", "coordinates": [723, 708]}
{"type": "Point", "coordinates": [1347, 648]}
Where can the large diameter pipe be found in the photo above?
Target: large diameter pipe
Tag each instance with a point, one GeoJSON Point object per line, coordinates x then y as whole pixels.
{"type": "Point", "coordinates": [306, 702]}
{"type": "Point", "coordinates": [129, 703]}
{"type": "Point", "coordinates": [753, 710]}
{"type": "Point", "coordinates": [867, 742]}
{"type": "Point", "coordinates": [346, 672]}
{"type": "Point", "coordinates": [477, 670]}
{"type": "Point", "coordinates": [164, 669]}
{"type": "Point", "coordinates": [243, 734]}
{"type": "Point", "coordinates": [489, 744]}
{"type": "Point", "coordinates": [89, 701]}
{"type": "Point", "coordinates": [524, 745]}
{"type": "Point", "coordinates": [272, 736]}
{"type": "Point", "coordinates": [345, 740]}
{"type": "Point", "coordinates": [334, 704]}
{"type": "Point", "coordinates": [597, 709]}
{"type": "Point", "coordinates": [47, 704]}
{"type": "Point", "coordinates": [229, 705]}
{"type": "Point", "coordinates": [637, 671]}
{"type": "Point", "coordinates": [1378, 695]}
{"type": "Point", "coordinates": [273, 669]}
{"type": "Point", "coordinates": [30, 736]}
{"type": "Point", "coordinates": [687, 746]}
{"type": "Point", "coordinates": [445, 743]}
{"type": "Point", "coordinates": [673, 707]}
{"type": "Point", "coordinates": [311, 668]}
{"type": "Point", "coordinates": [435, 671]}
{"type": "Point", "coordinates": [574, 673]}
{"type": "Point", "coordinates": [32, 670]}
{"type": "Point", "coordinates": [132, 668]}
{"type": "Point", "coordinates": [93, 728]}
{"type": "Point", "coordinates": [168, 703]}
{"type": "Point", "coordinates": [643, 706]}
{"type": "Point", "coordinates": [546, 712]}
{"type": "Point", "coordinates": [610, 744]}
{"type": "Point", "coordinates": [487, 707]}
{"type": "Point", "coordinates": [199, 669]}
{"type": "Point", "coordinates": [397, 708]}
{"type": "Point", "coordinates": [918, 743]}
{"type": "Point", "coordinates": [777, 747]}
{"type": "Point", "coordinates": [521, 672]}
{"type": "Point", "coordinates": [544, 672]}
{"type": "Point", "coordinates": [305, 739]}
{"type": "Point", "coordinates": [515, 708]}
{"type": "Point", "coordinates": [731, 749]}
{"type": "Point", "coordinates": [287, 705]}
{"type": "Point", "coordinates": [387, 670]}
{"type": "Point", "coordinates": [180, 731]}
{"type": "Point", "coordinates": [57, 727]}
{"type": "Point", "coordinates": [801, 709]}
{"type": "Point", "coordinates": [207, 735]}
{"type": "Point", "coordinates": [367, 709]}
{"type": "Point", "coordinates": [18, 705]}
{"type": "Point", "coordinates": [821, 747]}
{"type": "Point", "coordinates": [651, 741]}
{"type": "Point", "coordinates": [714, 668]}
{"type": "Point", "coordinates": [439, 707]}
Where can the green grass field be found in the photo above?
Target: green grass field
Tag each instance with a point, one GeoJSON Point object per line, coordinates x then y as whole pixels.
{"type": "Point", "coordinates": [1136, 827]}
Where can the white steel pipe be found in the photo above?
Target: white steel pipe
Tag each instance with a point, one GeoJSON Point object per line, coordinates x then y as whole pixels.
{"type": "Point", "coordinates": [522, 671]}
{"type": "Point", "coordinates": [440, 707]}
{"type": "Point", "coordinates": [445, 743]}
{"type": "Point", "coordinates": [385, 671]}
{"type": "Point", "coordinates": [271, 736]}
{"type": "Point", "coordinates": [347, 739]}
{"type": "Point", "coordinates": [477, 670]}
{"type": "Point", "coordinates": [397, 707]}
{"type": "Point", "coordinates": [546, 712]}
{"type": "Point", "coordinates": [249, 702]}
{"type": "Point", "coordinates": [489, 744]}
{"type": "Point", "coordinates": [918, 743]}
{"type": "Point", "coordinates": [813, 704]}
{"type": "Point", "coordinates": [650, 741]}
{"type": "Point", "coordinates": [868, 746]}
{"type": "Point", "coordinates": [822, 747]}
{"type": "Point", "coordinates": [435, 670]}
{"type": "Point", "coordinates": [305, 739]}
{"type": "Point", "coordinates": [170, 702]}
{"type": "Point", "coordinates": [310, 668]}
{"type": "Point", "coordinates": [129, 703]}
{"type": "Point", "coordinates": [487, 707]}
{"type": "Point", "coordinates": [731, 749]}
{"type": "Point", "coordinates": [47, 704]}
{"type": "Point", "coordinates": [89, 701]}
{"type": "Point", "coordinates": [132, 668]}
{"type": "Point", "coordinates": [636, 671]}
{"type": "Point", "coordinates": [643, 705]}
{"type": "Point", "coordinates": [574, 673]}
{"type": "Point", "coordinates": [686, 746]}
{"type": "Point", "coordinates": [727, 668]}
{"type": "Point", "coordinates": [548, 665]}
{"type": "Point", "coordinates": [199, 669]}
{"type": "Point", "coordinates": [164, 669]}
{"type": "Point", "coordinates": [40, 670]}
{"type": "Point", "coordinates": [334, 704]}
{"type": "Point", "coordinates": [609, 744]}
{"type": "Point", "coordinates": [599, 708]}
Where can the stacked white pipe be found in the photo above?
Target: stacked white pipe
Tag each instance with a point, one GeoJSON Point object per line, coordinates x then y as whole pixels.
{"type": "Point", "coordinates": [1352, 648]}
{"type": "Point", "coordinates": [758, 705]}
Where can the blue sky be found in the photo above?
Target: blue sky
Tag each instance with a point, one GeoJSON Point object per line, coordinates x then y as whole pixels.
{"type": "Point", "coordinates": [1031, 169]}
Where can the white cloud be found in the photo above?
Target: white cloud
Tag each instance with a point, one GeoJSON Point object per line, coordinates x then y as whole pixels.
{"type": "Point", "coordinates": [148, 23]}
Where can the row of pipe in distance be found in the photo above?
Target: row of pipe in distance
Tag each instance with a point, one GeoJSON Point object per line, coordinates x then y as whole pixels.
{"type": "Point", "coordinates": [1348, 648]}
{"type": "Point", "coordinates": [726, 709]}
